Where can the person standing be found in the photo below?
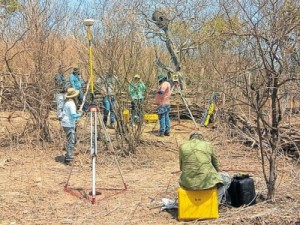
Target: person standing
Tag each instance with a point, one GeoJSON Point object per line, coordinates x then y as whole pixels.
{"type": "Point", "coordinates": [60, 90]}
{"type": "Point", "coordinates": [199, 166]}
{"type": "Point", "coordinates": [68, 122]}
{"type": "Point", "coordinates": [76, 82]}
{"type": "Point", "coordinates": [136, 90]}
{"type": "Point", "coordinates": [162, 99]}
{"type": "Point", "coordinates": [106, 85]}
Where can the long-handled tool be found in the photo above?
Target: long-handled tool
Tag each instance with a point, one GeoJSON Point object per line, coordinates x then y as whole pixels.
{"type": "Point", "coordinates": [176, 87]}
{"type": "Point", "coordinates": [93, 109]}
{"type": "Point", "coordinates": [95, 119]}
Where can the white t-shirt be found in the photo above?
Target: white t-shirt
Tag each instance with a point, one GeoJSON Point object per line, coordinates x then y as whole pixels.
{"type": "Point", "coordinates": [68, 110]}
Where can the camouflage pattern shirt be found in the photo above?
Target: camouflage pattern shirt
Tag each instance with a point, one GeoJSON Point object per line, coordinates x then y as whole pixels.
{"type": "Point", "coordinates": [199, 165]}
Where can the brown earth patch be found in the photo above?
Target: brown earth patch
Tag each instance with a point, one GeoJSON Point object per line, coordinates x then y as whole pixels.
{"type": "Point", "coordinates": [32, 182]}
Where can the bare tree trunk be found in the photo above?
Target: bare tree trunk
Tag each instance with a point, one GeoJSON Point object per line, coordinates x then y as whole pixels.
{"type": "Point", "coordinates": [1, 89]}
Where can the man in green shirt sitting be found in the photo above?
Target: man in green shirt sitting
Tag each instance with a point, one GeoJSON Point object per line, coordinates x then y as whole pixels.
{"type": "Point", "coordinates": [200, 167]}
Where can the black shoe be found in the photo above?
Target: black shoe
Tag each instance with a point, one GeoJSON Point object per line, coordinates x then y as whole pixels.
{"type": "Point", "coordinates": [167, 133]}
{"type": "Point", "coordinates": [68, 161]}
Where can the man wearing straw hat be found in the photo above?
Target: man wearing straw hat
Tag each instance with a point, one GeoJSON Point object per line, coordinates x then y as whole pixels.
{"type": "Point", "coordinates": [68, 122]}
{"type": "Point", "coordinates": [136, 90]}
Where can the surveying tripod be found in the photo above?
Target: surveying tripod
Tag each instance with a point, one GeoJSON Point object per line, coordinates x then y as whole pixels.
{"type": "Point", "coordinates": [176, 87]}
{"type": "Point", "coordinates": [96, 119]}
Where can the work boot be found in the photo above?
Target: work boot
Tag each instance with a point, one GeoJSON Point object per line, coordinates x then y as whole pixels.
{"type": "Point", "coordinates": [68, 161]}
{"type": "Point", "coordinates": [160, 135]}
{"type": "Point", "coordinates": [111, 126]}
{"type": "Point", "coordinates": [167, 133]}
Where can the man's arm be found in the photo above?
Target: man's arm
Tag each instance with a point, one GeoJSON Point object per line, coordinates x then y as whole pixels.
{"type": "Point", "coordinates": [180, 159]}
{"type": "Point", "coordinates": [82, 81]}
{"type": "Point", "coordinates": [163, 88]}
{"type": "Point", "coordinates": [72, 81]}
{"type": "Point", "coordinates": [214, 160]}
{"type": "Point", "coordinates": [143, 87]}
{"type": "Point", "coordinates": [73, 112]}
{"type": "Point", "coordinates": [76, 116]}
{"type": "Point", "coordinates": [131, 89]}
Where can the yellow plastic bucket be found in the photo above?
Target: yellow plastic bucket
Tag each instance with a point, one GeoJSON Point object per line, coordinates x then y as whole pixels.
{"type": "Point", "coordinates": [126, 115]}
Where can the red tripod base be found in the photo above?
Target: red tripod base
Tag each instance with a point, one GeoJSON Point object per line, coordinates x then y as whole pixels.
{"type": "Point", "coordinates": [101, 194]}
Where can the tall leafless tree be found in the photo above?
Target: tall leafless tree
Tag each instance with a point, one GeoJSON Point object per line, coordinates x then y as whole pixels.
{"type": "Point", "coordinates": [270, 31]}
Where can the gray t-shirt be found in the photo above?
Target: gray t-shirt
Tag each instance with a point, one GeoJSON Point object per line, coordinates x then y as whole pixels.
{"type": "Point", "coordinates": [107, 84]}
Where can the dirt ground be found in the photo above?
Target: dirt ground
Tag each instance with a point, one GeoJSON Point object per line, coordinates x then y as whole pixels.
{"type": "Point", "coordinates": [32, 180]}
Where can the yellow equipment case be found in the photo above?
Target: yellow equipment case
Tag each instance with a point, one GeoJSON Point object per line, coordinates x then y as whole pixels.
{"type": "Point", "coordinates": [202, 204]}
{"type": "Point", "coordinates": [150, 118]}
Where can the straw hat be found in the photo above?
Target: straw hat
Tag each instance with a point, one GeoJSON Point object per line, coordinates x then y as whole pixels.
{"type": "Point", "coordinates": [71, 93]}
{"type": "Point", "coordinates": [137, 76]}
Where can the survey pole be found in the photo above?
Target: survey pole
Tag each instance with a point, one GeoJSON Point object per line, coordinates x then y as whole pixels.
{"type": "Point", "coordinates": [93, 110]}
{"type": "Point", "coordinates": [89, 23]}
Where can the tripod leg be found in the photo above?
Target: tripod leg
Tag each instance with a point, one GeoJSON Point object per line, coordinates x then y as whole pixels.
{"type": "Point", "coordinates": [93, 117]}
{"type": "Point", "coordinates": [85, 121]}
{"type": "Point", "coordinates": [103, 127]}
{"type": "Point", "coordinates": [157, 121]}
{"type": "Point", "coordinates": [186, 105]}
{"type": "Point", "coordinates": [69, 176]}
{"type": "Point", "coordinates": [111, 147]}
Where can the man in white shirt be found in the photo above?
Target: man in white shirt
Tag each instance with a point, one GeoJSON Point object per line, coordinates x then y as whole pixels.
{"type": "Point", "coordinates": [68, 122]}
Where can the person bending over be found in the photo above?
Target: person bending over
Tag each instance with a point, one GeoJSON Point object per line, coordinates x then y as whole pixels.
{"type": "Point", "coordinates": [199, 166]}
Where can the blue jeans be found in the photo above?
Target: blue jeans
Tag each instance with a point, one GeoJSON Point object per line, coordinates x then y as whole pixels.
{"type": "Point", "coordinates": [226, 184]}
{"type": "Point", "coordinates": [108, 104]}
{"type": "Point", "coordinates": [164, 119]}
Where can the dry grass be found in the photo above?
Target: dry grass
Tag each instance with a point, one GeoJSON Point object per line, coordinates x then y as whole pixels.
{"type": "Point", "coordinates": [32, 183]}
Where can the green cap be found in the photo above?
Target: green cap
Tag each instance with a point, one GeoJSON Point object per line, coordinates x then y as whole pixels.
{"type": "Point", "coordinates": [160, 77]}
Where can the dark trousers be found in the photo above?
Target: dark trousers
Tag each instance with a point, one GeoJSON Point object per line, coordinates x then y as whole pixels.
{"type": "Point", "coordinates": [137, 110]}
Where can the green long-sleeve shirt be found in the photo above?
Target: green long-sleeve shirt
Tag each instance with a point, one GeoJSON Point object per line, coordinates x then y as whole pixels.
{"type": "Point", "coordinates": [136, 90]}
{"type": "Point", "coordinates": [199, 165]}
